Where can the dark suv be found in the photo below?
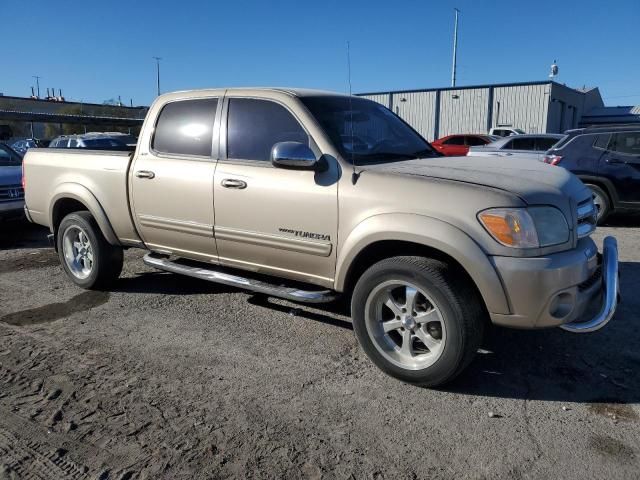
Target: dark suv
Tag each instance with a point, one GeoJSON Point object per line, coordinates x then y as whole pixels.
{"type": "Point", "coordinates": [607, 160]}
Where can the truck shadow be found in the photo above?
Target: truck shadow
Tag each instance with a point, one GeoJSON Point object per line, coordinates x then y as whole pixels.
{"type": "Point", "coordinates": [553, 365]}
{"type": "Point", "coordinates": [22, 234]}
{"type": "Point", "coordinates": [623, 220]}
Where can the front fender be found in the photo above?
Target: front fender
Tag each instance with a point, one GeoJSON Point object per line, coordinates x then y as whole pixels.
{"type": "Point", "coordinates": [83, 195]}
{"type": "Point", "coordinates": [432, 233]}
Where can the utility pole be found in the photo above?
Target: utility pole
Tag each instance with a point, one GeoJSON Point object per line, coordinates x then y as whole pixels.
{"type": "Point", "coordinates": [158, 72]}
{"type": "Point", "coordinates": [37, 83]}
{"type": "Point", "coordinates": [455, 49]}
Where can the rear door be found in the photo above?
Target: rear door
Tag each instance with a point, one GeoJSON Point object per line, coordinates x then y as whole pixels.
{"type": "Point", "coordinates": [620, 164]}
{"type": "Point", "coordinates": [171, 181]}
{"type": "Point", "coordinates": [269, 219]}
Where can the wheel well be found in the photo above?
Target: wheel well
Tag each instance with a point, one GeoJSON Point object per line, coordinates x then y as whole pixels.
{"type": "Point", "coordinates": [377, 251]}
{"type": "Point", "coordinates": [64, 207]}
{"type": "Point", "coordinates": [605, 188]}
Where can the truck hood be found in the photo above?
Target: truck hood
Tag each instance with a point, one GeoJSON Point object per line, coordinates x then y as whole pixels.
{"type": "Point", "coordinates": [10, 175]}
{"type": "Point", "coordinates": [534, 182]}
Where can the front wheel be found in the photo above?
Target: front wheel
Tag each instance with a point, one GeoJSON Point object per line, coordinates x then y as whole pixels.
{"type": "Point", "coordinates": [418, 319]}
{"type": "Point", "coordinates": [86, 256]}
{"type": "Point", "coordinates": [602, 203]}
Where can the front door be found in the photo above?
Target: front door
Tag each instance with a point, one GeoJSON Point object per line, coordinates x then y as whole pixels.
{"type": "Point", "coordinates": [620, 164]}
{"type": "Point", "coordinates": [172, 181]}
{"type": "Point", "coordinates": [269, 219]}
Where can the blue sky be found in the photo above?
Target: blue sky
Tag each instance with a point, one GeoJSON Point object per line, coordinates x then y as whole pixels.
{"type": "Point", "coordinates": [99, 50]}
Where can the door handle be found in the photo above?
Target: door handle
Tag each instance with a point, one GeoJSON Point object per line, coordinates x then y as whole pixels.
{"type": "Point", "coordinates": [614, 160]}
{"type": "Point", "coordinates": [233, 183]}
{"type": "Point", "coordinates": [145, 174]}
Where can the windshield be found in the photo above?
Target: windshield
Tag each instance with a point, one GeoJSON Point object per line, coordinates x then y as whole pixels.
{"type": "Point", "coordinates": [365, 131]}
{"type": "Point", "coordinates": [8, 157]}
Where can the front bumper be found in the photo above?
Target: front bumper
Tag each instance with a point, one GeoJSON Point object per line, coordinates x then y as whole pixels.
{"type": "Point", "coordinates": [559, 289]}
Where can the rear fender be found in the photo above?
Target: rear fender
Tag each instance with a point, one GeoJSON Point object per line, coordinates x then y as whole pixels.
{"type": "Point", "coordinates": [82, 194]}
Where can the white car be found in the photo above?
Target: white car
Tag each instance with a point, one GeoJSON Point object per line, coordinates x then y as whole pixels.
{"type": "Point", "coordinates": [506, 131]}
{"type": "Point", "coordinates": [531, 146]}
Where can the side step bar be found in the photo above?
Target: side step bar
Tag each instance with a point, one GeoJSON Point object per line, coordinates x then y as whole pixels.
{"type": "Point", "coordinates": [210, 274]}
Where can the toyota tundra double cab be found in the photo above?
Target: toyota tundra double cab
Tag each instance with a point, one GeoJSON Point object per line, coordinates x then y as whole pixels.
{"type": "Point", "coordinates": [307, 195]}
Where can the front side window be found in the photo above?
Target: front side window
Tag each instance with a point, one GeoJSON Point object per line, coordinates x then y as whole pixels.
{"type": "Point", "coordinates": [602, 141]}
{"type": "Point", "coordinates": [366, 132]}
{"type": "Point", "coordinates": [626, 142]}
{"type": "Point", "coordinates": [255, 126]}
{"type": "Point", "coordinates": [185, 127]}
{"type": "Point", "coordinates": [454, 141]}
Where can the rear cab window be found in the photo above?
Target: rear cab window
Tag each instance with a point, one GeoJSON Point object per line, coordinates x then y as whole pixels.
{"type": "Point", "coordinates": [185, 127]}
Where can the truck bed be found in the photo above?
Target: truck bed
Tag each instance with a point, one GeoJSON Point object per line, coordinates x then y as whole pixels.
{"type": "Point", "coordinates": [99, 173]}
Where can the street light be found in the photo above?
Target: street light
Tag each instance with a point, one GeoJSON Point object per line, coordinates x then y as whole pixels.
{"type": "Point", "coordinates": [158, 72]}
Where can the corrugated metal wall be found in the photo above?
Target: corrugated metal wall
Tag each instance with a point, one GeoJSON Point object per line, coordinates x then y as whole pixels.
{"type": "Point", "coordinates": [464, 111]}
{"type": "Point", "coordinates": [522, 106]}
{"type": "Point", "coordinates": [382, 98]}
{"type": "Point", "coordinates": [418, 109]}
{"type": "Point", "coordinates": [535, 108]}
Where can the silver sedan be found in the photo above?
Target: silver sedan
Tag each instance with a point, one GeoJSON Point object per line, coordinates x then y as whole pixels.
{"type": "Point", "coordinates": [532, 146]}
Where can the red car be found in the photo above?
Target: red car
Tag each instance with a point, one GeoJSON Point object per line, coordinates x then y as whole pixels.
{"type": "Point", "coordinates": [458, 145]}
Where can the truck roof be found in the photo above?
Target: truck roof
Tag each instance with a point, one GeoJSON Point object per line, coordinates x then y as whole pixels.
{"type": "Point", "coordinates": [297, 92]}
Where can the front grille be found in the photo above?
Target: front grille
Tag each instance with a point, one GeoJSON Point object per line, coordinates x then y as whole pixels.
{"type": "Point", "coordinates": [586, 214]}
{"type": "Point", "coordinates": [10, 193]}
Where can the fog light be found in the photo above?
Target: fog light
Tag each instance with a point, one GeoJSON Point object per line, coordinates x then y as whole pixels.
{"type": "Point", "coordinates": [561, 305]}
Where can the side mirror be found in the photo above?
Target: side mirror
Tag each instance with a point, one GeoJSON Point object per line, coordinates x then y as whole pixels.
{"type": "Point", "coordinates": [292, 155]}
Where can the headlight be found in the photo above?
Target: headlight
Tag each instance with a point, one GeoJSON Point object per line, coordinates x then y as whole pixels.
{"type": "Point", "coordinates": [526, 227]}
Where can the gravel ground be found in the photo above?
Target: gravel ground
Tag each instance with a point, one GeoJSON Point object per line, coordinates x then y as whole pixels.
{"type": "Point", "coordinates": [170, 377]}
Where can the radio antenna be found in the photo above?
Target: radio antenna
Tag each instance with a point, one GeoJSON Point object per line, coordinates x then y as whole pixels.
{"type": "Point", "coordinates": [354, 175]}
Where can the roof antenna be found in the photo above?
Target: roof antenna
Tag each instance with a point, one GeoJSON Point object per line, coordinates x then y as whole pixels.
{"type": "Point", "coordinates": [354, 175]}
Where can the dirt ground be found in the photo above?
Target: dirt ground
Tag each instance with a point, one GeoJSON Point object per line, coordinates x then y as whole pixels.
{"type": "Point", "coordinates": [169, 377]}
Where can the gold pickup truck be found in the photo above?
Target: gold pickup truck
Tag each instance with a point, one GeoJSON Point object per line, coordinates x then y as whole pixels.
{"type": "Point", "coordinates": [307, 195]}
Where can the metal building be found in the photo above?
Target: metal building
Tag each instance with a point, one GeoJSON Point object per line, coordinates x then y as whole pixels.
{"type": "Point", "coordinates": [535, 107]}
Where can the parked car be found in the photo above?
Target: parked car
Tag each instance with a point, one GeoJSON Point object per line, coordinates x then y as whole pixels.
{"type": "Point", "coordinates": [529, 146]}
{"type": "Point", "coordinates": [458, 145]}
{"type": "Point", "coordinates": [90, 141]}
{"type": "Point", "coordinates": [128, 139]}
{"type": "Point", "coordinates": [607, 159]}
{"type": "Point", "coordinates": [11, 191]}
{"type": "Point", "coordinates": [21, 146]}
{"type": "Point", "coordinates": [268, 190]}
{"type": "Point", "coordinates": [505, 131]}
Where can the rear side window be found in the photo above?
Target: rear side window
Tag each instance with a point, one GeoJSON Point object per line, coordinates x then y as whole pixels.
{"type": "Point", "coordinates": [476, 141]}
{"type": "Point", "coordinates": [255, 126]}
{"type": "Point", "coordinates": [522, 144]}
{"type": "Point", "coordinates": [602, 141]}
{"type": "Point", "coordinates": [185, 127]}
{"type": "Point", "coordinates": [626, 142]}
{"type": "Point", "coordinates": [544, 144]}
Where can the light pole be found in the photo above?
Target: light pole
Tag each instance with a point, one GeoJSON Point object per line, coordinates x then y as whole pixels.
{"type": "Point", "coordinates": [37, 83]}
{"type": "Point", "coordinates": [158, 72]}
{"type": "Point", "coordinates": [455, 49]}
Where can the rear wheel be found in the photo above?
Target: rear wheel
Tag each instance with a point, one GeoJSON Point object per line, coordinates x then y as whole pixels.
{"type": "Point", "coordinates": [418, 319]}
{"type": "Point", "coordinates": [602, 202]}
{"type": "Point", "coordinates": [86, 256]}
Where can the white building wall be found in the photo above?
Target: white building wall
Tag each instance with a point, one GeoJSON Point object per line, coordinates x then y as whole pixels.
{"type": "Point", "coordinates": [464, 111]}
{"type": "Point", "coordinates": [418, 109]}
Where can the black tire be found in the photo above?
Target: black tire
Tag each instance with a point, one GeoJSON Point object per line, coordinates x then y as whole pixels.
{"type": "Point", "coordinates": [603, 202]}
{"type": "Point", "coordinates": [462, 311]}
{"type": "Point", "coordinates": [107, 258]}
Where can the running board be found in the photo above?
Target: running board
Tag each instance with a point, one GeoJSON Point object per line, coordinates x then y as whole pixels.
{"type": "Point", "coordinates": [212, 275]}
